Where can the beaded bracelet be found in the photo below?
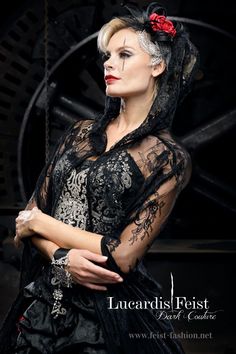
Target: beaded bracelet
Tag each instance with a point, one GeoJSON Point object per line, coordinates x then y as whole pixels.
{"type": "Point", "coordinates": [61, 278]}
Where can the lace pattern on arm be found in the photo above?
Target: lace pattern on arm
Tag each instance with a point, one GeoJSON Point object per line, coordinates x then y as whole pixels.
{"type": "Point", "coordinates": [164, 170]}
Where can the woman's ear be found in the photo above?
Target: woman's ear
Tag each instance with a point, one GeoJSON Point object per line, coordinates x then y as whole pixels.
{"type": "Point", "coordinates": [158, 69]}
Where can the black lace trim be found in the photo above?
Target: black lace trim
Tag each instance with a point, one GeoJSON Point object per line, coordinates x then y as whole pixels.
{"type": "Point", "coordinates": [112, 243]}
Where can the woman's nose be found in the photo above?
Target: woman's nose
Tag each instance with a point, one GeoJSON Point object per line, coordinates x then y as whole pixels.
{"type": "Point", "coordinates": [108, 64]}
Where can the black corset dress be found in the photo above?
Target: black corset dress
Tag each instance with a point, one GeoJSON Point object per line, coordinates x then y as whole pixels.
{"type": "Point", "coordinates": [97, 196]}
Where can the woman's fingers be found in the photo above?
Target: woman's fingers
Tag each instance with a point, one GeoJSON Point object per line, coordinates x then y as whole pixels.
{"type": "Point", "coordinates": [89, 283]}
{"type": "Point", "coordinates": [93, 278]}
{"type": "Point", "coordinates": [98, 258]}
{"type": "Point", "coordinates": [24, 215]}
{"type": "Point", "coordinates": [84, 270]}
{"type": "Point", "coordinates": [86, 276]}
{"type": "Point", "coordinates": [94, 286]}
{"type": "Point", "coordinates": [23, 228]}
{"type": "Point", "coordinates": [104, 273]}
{"type": "Point", "coordinates": [17, 241]}
{"type": "Point", "coordinates": [99, 272]}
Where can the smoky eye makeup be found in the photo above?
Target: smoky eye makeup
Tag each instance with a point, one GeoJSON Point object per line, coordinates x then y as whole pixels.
{"type": "Point", "coordinates": [125, 54]}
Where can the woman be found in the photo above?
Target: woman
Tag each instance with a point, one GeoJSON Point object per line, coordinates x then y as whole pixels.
{"type": "Point", "coordinates": [104, 197]}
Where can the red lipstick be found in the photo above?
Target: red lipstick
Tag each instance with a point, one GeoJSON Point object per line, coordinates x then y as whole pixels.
{"type": "Point", "coordinates": [110, 78]}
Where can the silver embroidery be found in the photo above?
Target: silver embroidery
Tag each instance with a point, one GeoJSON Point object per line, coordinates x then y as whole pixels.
{"type": "Point", "coordinates": [110, 182]}
{"type": "Point", "coordinates": [72, 206]}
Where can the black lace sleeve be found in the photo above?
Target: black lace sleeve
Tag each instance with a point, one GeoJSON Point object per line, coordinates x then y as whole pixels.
{"type": "Point", "coordinates": [138, 235]}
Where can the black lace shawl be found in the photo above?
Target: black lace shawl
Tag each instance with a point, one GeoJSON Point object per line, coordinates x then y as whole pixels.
{"type": "Point", "coordinates": [165, 167]}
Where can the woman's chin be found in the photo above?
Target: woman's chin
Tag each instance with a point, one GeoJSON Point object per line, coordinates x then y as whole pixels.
{"type": "Point", "coordinates": [113, 93]}
{"type": "Point", "coordinates": [110, 94]}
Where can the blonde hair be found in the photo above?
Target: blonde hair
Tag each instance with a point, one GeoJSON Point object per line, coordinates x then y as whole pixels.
{"type": "Point", "coordinates": [107, 31]}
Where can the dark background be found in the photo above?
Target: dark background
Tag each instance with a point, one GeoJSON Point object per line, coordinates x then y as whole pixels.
{"type": "Point", "coordinates": [198, 243]}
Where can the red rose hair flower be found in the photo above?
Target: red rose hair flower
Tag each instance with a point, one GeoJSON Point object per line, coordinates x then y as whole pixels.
{"type": "Point", "coordinates": [160, 23]}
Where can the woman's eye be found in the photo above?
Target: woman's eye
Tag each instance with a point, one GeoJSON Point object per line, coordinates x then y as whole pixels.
{"type": "Point", "coordinates": [125, 55]}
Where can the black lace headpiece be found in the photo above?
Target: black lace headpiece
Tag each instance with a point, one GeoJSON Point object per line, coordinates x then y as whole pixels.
{"type": "Point", "coordinates": [153, 20]}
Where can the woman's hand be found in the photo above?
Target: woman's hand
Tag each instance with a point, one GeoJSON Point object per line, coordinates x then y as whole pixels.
{"type": "Point", "coordinates": [25, 222]}
{"type": "Point", "coordinates": [88, 274]}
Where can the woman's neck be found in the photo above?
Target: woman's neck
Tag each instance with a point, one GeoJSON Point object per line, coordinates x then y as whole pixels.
{"type": "Point", "coordinates": [134, 110]}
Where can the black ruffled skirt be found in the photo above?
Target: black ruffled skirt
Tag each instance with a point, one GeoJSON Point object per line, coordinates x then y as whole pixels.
{"type": "Point", "coordinates": [79, 330]}
{"type": "Point", "coordinates": [89, 326]}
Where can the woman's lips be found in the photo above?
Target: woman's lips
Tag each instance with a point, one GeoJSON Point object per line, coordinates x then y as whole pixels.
{"type": "Point", "coordinates": [110, 78]}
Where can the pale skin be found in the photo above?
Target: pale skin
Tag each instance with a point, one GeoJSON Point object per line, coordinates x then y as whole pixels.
{"type": "Point", "coordinates": [127, 61]}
